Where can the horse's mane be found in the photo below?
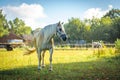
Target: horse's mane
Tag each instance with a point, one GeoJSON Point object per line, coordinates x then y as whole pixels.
{"type": "Point", "coordinates": [50, 25]}
{"type": "Point", "coordinates": [51, 28]}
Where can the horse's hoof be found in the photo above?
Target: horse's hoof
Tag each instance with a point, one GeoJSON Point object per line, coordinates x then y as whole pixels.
{"type": "Point", "coordinates": [50, 70]}
{"type": "Point", "coordinates": [43, 66]}
{"type": "Point", "coordinates": [39, 68]}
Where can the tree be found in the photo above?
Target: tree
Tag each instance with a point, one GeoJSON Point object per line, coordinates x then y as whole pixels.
{"type": "Point", "coordinates": [77, 30]}
{"type": "Point", "coordinates": [73, 28]}
{"type": "Point", "coordinates": [115, 32]}
{"type": "Point", "coordinates": [94, 29]}
{"type": "Point", "coordinates": [105, 25]}
{"type": "Point", "coordinates": [114, 13]}
{"type": "Point", "coordinates": [3, 25]}
{"type": "Point", "coordinates": [18, 27]}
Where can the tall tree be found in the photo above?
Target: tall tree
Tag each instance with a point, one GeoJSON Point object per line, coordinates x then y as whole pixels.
{"type": "Point", "coordinates": [94, 25]}
{"type": "Point", "coordinates": [115, 32]}
{"type": "Point", "coordinates": [76, 29]}
{"type": "Point", "coordinates": [114, 13]}
{"type": "Point", "coordinates": [3, 25]}
{"type": "Point", "coordinates": [18, 26]}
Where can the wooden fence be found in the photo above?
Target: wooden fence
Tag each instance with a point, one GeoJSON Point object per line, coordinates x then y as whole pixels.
{"type": "Point", "coordinates": [79, 46]}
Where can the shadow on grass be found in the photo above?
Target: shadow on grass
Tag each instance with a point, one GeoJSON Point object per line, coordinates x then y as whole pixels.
{"type": "Point", "coordinates": [102, 69]}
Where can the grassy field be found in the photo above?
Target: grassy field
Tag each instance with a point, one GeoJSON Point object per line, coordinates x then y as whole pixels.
{"type": "Point", "coordinates": [67, 65]}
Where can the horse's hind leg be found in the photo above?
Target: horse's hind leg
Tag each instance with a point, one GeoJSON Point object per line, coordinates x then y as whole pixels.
{"type": "Point", "coordinates": [43, 54]}
{"type": "Point", "coordinates": [51, 52]}
{"type": "Point", "coordinates": [39, 59]}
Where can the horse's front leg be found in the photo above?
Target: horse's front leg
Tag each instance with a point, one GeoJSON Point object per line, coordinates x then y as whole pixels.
{"type": "Point", "coordinates": [39, 59]}
{"type": "Point", "coordinates": [51, 52]}
{"type": "Point", "coordinates": [43, 54]}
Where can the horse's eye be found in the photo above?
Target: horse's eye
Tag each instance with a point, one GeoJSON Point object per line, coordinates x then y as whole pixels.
{"type": "Point", "coordinates": [60, 29]}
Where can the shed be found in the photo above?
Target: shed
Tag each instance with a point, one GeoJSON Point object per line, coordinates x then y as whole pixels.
{"type": "Point", "coordinates": [11, 36]}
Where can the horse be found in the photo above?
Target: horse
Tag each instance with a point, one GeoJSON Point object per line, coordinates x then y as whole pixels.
{"type": "Point", "coordinates": [96, 45]}
{"type": "Point", "coordinates": [43, 40]}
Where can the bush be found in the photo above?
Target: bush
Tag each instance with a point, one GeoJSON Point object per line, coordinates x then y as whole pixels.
{"type": "Point", "coordinates": [117, 46]}
{"type": "Point", "coordinates": [100, 52]}
{"type": "Point", "coordinates": [103, 52]}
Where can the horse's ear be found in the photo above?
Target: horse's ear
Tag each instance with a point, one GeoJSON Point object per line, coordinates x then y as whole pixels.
{"type": "Point", "coordinates": [59, 23]}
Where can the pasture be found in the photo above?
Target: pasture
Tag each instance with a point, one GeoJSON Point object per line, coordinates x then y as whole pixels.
{"type": "Point", "coordinates": [67, 65]}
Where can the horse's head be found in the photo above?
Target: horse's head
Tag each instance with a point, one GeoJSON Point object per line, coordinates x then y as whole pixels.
{"type": "Point", "coordinates": [61, 31]}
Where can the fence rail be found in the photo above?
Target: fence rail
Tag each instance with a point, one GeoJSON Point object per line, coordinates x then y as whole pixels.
{"type": "Point", "coordinates": [88, 45]}
{"type": "Point", "coordinates": [63, 46]}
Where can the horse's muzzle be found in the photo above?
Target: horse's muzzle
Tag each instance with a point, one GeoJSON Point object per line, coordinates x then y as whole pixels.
{"type": "Point", "coordinates": [64, 37]}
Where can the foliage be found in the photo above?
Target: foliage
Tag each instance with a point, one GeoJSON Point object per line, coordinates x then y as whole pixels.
{"type": "Point", "coordinates": [102, 52]}
{"type": "Point", "coordinates": [114, 13]}
{"type": "Point", "coordinates": [18, 26]}
{"type": "Point", "coordinates": [115, 33]}
{"type": "Point", "coordinates": [106, 28]}
{"type": "Point", "coordinates": [75, 29]}
{"type": "Point", "coordinates": [117, 46]}
{"type": "Point", "coordinates": [3, 25]}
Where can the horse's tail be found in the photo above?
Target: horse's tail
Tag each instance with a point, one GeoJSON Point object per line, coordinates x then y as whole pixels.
{"type": "Point", "coordinates": [29, 51]}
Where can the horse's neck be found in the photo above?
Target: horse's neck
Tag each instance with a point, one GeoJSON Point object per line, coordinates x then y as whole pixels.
{"type": "Point", "coordinates": [50, 31]}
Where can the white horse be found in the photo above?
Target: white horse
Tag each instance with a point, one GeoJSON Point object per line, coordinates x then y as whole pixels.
{"type": "Point", "coordinates": [96, 45]}
{"type": "Point", "coordinates": [43, 40]}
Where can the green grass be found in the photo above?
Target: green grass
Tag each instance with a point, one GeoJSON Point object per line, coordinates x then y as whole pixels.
{"type": "Point", "coordinates": [67, 65]}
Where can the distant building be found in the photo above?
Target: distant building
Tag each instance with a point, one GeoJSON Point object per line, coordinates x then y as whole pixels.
{"type": "Point", "coordinates": [10, 41]}
{"type": "Point", "coordinates": [28, 39]}
{"type": "Point", "coordinates": [10, 38]}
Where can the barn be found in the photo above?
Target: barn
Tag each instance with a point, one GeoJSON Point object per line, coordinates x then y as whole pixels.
{"type": "Point", "coordinates": [11, 38]}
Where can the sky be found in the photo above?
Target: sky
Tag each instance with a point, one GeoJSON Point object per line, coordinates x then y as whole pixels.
{"type": "Point", "coordinates": [39, 13]}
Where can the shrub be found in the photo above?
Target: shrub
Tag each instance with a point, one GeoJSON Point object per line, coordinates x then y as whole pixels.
{"type": "Point", "coordinates": [99, 52]}
{"type": "Point", "coordinates": [102, 52]}
{"type": "Point", "coordinates": [117, 46]}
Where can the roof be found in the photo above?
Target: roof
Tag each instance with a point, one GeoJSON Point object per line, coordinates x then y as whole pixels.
{"type": "Point", "coordinates": [10, 36]}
